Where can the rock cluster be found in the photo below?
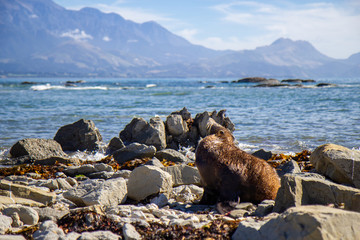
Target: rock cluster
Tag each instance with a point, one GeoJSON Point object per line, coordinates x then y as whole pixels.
{"type": "Point", "coordinates": [148, 188]}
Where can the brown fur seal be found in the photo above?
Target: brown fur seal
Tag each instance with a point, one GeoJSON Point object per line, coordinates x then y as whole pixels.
{"type": "Point", "coordinates": [228, 173]}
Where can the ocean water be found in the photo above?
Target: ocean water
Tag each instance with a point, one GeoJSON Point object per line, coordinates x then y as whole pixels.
{"type": "Point", "coordinates": [286, 119]}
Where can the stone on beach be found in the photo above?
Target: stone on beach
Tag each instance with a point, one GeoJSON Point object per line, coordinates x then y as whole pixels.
{"type": "Point", "coordinates": [87, 169]}
{"type": "Point", "coordinates": [339, 163]}
{"type": "Point", "coordinates": [27, 192]}
{"type": "Point", "coordinates": [130, 232]}
{"type": "Point", "coordinates": [27, 214]}
{"type": "Point", "coordinates": [305, 222]}
{"type": "Point", "coordinates": [94, 192]}
{"type": "Point", "coordinates": [37, 149]}
{"type": "Point", "coordinates": [49, 230]}
{"type": "Point", "coordinates": [171, 155]}
{"type": "Point", "coordinates": [310, 188]}
{"type": "Point", "coordinates": [132, 151]}
{"type": "Point", "coordinates": [5, 223]}
{"type": "Point", "coordinates": [148, 180]}
{"type": "Point", "coordinates": [183, 175]}
{"type": "Point", "coordinates": [81, 135]}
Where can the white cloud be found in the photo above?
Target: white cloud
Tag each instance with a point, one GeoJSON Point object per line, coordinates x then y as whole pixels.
{"type": "Point", "coordinates": [333, 30]}
{"type": "Point", "coordinates": [76, 35]}
{"type": "Point", "coordinates": [106, 39]}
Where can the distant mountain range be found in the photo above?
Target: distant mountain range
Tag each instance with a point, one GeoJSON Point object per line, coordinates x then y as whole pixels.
{"type": "Point", "coordinates": [41, 38]}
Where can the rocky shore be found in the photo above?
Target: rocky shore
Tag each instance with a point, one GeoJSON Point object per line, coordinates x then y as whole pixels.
{"type": "Point", "coordinates": [147, 187]}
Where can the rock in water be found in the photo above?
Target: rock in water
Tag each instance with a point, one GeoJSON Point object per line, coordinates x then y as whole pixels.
{"type": "Point", "coordinates": [152, 133]}
{"type": "Point", "coordinates": [338, 163]}
{"type": "Point", "coordinates": [81, 135]}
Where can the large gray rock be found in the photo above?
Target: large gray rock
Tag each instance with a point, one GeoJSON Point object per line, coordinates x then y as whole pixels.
{"type": "Point", "coordinates": [49, 230]}
{"type": "Point", "coordinates": [184, 175]}
{"type": "Point", "coordinates": [94, 192]}
{"type": "Point", "coordinates": [184, 113]}
{"type": "Point", "coordinates": [175, 125]}
{"type": "Point", "coordinates": [37, 149]}
{"type": "Point", "coordinates": [27, 214]}
{"type": "Point", "coordinates": [305, 222]}
{"type": "Point", "coordinates": [31, 193]}
{"type": "Point", "coordinates": [49, 213]}
{"type": "Point", "coordinates": [132, 151]}
{"type": "Point", "coordinates": [288, 167]}
{"type": "Point", "coordinates": [171, 155]}
{"type": "Point", "coordinates": [152, 133]}
{"type": "Point", "coordinates": [81, 135]}
{"type": "Point", "coordinates": [148, 180]}
{"type": "Point", "coordinates": [339, 163]}
{"type": "Point", "coordinates": [308, 189]}
{"type": "Point", "coordinates": [205, 120]}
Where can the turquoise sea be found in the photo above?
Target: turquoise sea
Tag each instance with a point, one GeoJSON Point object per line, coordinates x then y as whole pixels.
{"type": "Point", "coordinates": [285, 119]}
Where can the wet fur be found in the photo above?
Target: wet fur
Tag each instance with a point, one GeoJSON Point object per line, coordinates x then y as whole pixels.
{"type": "Point", "coordinates": [230, 174]}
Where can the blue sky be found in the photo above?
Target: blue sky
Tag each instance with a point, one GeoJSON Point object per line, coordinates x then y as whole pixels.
{"type": "Point", "coordinates": [333, 27]}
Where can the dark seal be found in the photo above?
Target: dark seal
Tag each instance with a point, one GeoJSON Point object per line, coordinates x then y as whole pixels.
{"type": "Point", "coordinates": [230, 174]}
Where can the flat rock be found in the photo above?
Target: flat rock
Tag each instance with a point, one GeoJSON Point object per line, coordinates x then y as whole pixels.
{"type": "Point", "coordinates": [338, 163]}
{"type": "Point", "coordinates": [171, 155]}
{"type": "Point", "coordinates": [6, 200]}
{"type": "Point", "coordinates": [305, 222]}
{"type": "Point", "coordinates": [132, 151]}
{"type": "Point", "coordinates": [54, 160]}
{"type": "Point", "coordinates": [309, 189]}
{"type": "Point", "coordinates": [37, 149]}
{"type": "Point", "coordinates": [264, 208]}
{"type": "Point", "coordinates": [93, 192]}
{"type": "Point", "coordinates": [81, 135]}
{"type": "Point", "coordinates": [49, 213]}
{"type": "Point", "coordinates": [257, 80]}
{"type": "Point", "coordinates": [148, 180]}
{"type": "Point", "coordinates": [21, 191]}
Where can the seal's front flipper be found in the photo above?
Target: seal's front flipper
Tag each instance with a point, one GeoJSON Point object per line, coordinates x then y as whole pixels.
{"type": "Point", "coordinates": [225, 207]}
